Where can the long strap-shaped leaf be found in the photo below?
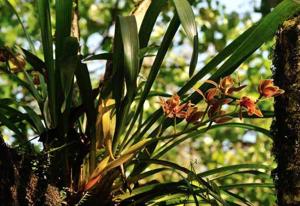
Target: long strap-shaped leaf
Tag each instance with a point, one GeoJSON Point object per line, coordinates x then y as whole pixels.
{"type": "Point", "coordinates": [190, 27]}
{"type": "Point", "coordinates": [179, 168]}
{"type": "Point", "coordinates": [36, 63]}
{"type": "Point", "coordinates": [130, 47]}
{"type": "Point", "coordinates": [86, 93]}
{"type": "Point", "coordinates": [47, 42]}
{"type": "Point", "coordinates": [232, 168]}
{"type": "Point", "coordinates": [66, 49]}
{"type": "Point", "coordinates": [10, 6]}
{"type": "Point", "coordinates": [188, 22]}
{"type": "Point", "coordinates": [5, 121]}
{"type": "Point", "coordinates": [200, 132]}
{"type": "Point", "coordinates": [63, 24]}
{"type": "Point", "coordinates": [36, 120]}
{"type": "Point", "coordinates": [172, 29]}
{"type": "Point", "coordinates": [131, 51]}
{"type": "Point", "coordinates": [149, 21]}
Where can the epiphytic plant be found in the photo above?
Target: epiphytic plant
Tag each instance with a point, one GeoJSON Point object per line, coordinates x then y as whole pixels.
{"type": "Point", "coordinates": [97, 144]}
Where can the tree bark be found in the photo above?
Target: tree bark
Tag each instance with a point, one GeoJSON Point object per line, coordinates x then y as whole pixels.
{"type": "Point", "coordinates": [19, 185]}
{"type": "Point", "coordinates": [286, 124]}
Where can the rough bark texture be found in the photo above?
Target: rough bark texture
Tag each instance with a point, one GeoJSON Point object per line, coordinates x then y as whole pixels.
{"type": "Point", "coordinates": [286, 124]}
{"type": "Point", "coordinates": [20, 185]}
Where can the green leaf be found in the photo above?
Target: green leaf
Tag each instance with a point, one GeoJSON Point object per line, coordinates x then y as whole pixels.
{"type": "Point", "coordinates": [129, 34]}
{"type": "Point", "coordinates": [10, 125]}
{"type": "Point", "coordinates": [103, 56]}
{"type": "Point", "coordinates": [153, 190]}
{"type": "Point", "coordinates": [149, 21]}
{"type": "Point", "coordinates": [247, 185]}
{"type": "Point", "coordinates": [167, 164]}
{"type": "Point", "coordinates": [36, 63]}
{"type": "Point", "coordinates": [232, 168]}
{"type": "Point", "coordinates": [212, 64]}
{"type": "Point", "coordinates": [144, 175]}
{"type": "Point", "coordinates": [267, 114]}
{"type": "Point", "coordinates": [199, 132]}
{"type": "Point", "coordinates": [86, 93]}
{"type": "Point", "coordinates": [244, 126]}
{"type": "Point", "coordinates": [136, 147]}
{"type": "Point", "coordinates": [187, 17]}
{"type": "Point", "coordinates": [131, 47]}
{"type": "Point", "coordinates": [118, 162]}
{"type": "Point", "coordinates": [173, 201]}
{"type": "Point", "coordinates": [188, 22]}
{"type": "Point", "coordinates": [13, 114]}
{"type": "Point", "coordinates": [117, 82]}
{"type": "Point", "coordinates": [7, 101]}
{"type": "Point", "coordinates": [114, 73]}
{"type": "Point", "coordinates": [28, 85]}
{"type": "Point", "coordinates": [150, 192]}
{"type": "Point", "coordinates": [63, 25]}
{"type": "Point", "coordinates": [37, 121]}
{"type": "Point", "coordinates": [258, 174]}
{"type": "Point", "coordinates": [166, 42]}
{"type": "Point", "coordinates": [67, 67]}
{"type": "Point", "coordinates": [67, 71]}
{"type": "Point", "coordinates": [47, 42]}
{"type": "Point", "coordinates": [148, 51]}
{"type": "Point", "coordinates": [188, 172]}
{"type": "Point", "coordinates": [245, 201]}
{"type": "Point", "coordinates": [22, 25]}
{"type": "Point", "coordinates": [194, 58]}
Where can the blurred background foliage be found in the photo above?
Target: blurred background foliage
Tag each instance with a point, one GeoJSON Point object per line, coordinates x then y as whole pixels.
{"type": "Point", "coordinates": [219, 22]}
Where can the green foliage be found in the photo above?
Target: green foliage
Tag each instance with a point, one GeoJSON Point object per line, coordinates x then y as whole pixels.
{"type": "Point", "coordinates": [118, 127]}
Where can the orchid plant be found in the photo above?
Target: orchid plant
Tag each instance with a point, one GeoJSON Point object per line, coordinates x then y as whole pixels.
{"type": "Point", "coordinates": [98, 144]}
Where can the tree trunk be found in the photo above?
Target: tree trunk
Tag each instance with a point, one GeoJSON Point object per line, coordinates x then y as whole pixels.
{"type": "Point", "coordinates": [286, 124]}
{"type": "Point", "coordinates": [20, 185]}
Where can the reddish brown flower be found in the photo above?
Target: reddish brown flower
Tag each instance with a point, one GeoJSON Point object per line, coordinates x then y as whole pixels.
{"type": "Point", "coordinates": [267, 89]}
{"type": "Point", "coordinates": [172, 107]}
{"type": "Point", "coordinates": [211, 94]}
{"type": "Point", "coordinates": [193, 115]}
{"type": "Point", "coordinates": [225, 84]}
{"type": "Point", "coordinates": [249, 104]}
{"type": "Point", "coordinates": [215, 111]}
